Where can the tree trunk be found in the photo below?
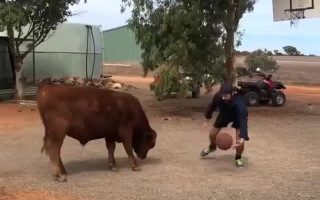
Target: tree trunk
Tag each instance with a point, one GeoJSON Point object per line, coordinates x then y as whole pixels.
{"type": "Point", "coordinates": [18, 64]}
{"type": "Point", "coordinates": [229, 54]}
{"type": "Point", "coordinates": [19, 90]}
{"type": "Point", "coordinates": [230, 28]}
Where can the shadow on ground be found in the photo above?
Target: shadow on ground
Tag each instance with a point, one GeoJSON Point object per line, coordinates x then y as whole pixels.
{"type": "Point", "coordinates": [101, 164]}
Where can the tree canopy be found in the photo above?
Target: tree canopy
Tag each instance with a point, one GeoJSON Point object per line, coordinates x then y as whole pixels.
{"type": "Point", "coordinates": [291, 51]}
{"type": "Point", "coordinates": [175, 33]}
{"type": "Point", "coordinates": [197, 35]}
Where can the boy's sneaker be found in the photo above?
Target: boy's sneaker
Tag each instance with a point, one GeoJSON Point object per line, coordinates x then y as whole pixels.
{"type": "Point", "coordinates": [206, 151]}
{"type": "Point", "coordinates": [239, 163]}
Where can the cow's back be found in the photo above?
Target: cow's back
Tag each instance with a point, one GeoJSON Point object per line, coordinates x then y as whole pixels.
{"type": "Point", "coordinates": [86, 113]}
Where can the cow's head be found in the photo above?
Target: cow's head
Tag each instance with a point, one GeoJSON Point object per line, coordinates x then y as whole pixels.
{"type": "Point", "coordinates": [143, 141]}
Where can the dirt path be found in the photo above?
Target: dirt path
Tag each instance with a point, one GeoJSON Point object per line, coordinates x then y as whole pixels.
{"type": "Point", "coordinates": [282, 157]}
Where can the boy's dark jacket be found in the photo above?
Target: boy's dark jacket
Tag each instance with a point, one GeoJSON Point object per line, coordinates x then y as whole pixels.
{"type": "Point", "coordinates": [236, 109]}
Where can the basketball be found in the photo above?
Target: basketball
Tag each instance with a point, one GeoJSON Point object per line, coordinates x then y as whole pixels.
{"type": "Point", "coordinates": [224, 141]}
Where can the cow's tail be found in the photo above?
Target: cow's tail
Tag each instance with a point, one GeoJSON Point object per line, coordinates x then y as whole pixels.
{"type": "Point", "coordinates": [46, 133]}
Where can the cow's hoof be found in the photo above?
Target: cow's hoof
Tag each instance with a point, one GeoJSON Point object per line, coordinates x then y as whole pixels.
{"type": "Point", "coordinates": [61, 178]}
{"type": "Point", "coordinates": [136, 168]}
{"type": "Point", "coordinates": [113, 168]}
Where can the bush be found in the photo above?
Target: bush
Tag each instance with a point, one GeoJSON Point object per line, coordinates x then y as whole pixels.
{"type": "Point", "coordinates": [168, 81]}
{"type": "Point", "coordinates": [269, 53]}
{"type": "Point", "coordinates": [277, 53]}
{"type": "Point", "coordinates": [260, 59]}
{"type": "Point", "coordinates": [242, 53]}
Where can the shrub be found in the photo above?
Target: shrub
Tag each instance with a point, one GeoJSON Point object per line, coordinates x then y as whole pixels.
{"type": "Point", "coordinates": [168, 81]}
{"type": "Point", "coordinates": [260, 59]}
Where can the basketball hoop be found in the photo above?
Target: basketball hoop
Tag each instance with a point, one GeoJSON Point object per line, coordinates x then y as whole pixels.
{"type": "Point", "coordinates": [295, 10]}
{"type": "Point", "coordinates": [294, 16]}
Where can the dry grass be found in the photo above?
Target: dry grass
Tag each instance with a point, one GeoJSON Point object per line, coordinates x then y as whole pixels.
{"type": "Point", "coordinates": [301, 70]}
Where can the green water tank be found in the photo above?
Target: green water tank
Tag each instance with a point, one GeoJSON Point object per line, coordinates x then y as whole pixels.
{"type": "Point", "coordinates": [71, 50]}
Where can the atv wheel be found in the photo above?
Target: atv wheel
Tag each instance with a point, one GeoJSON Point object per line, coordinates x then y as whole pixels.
{"type": "Point", "coordinates": [196, 93]}
{"type": "Point", "coordinates": [252, 98]}
{"type": "Point", "coordinates": [278, 99]}
{"type": "Point", "coordinates": [264, 102]}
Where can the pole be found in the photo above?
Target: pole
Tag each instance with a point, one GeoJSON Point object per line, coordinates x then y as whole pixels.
{"type": "Point", "coordinates": [33, 59]}
{"type": "Point", "coordinates": [87, 51]}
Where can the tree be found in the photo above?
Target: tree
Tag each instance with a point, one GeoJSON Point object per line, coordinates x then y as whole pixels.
{"type": "Point", "coordinates": [277, 53]}
{"type": "Point", "coordinates": [194, 34]}
{"type": "Point", "coordinates": [232, 11]}
{"type": "Point", "coordinates": [28, 23]}
{"type": "Point", "coordinates": [260, 59]}
{"type": "Point", "coordinates": [269, 53]}
{"type": "Point", "coordinates": [176, 34]}
{"type": "Point", "coordinates": [291, 51]}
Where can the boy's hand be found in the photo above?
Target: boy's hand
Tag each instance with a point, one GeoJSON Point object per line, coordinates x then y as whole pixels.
{"type": "Point", "coordinates": [238, 143]}
{"type": "Point", "coordinates": [205, 124]}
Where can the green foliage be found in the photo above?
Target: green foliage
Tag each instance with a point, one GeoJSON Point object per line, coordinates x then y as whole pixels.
{"type": "Point", "coordinates": [170, 81]}
{"type": "Point", "coordinates": [215, 75]}
{"type": "Point", "coordinates": [260, 59]}
{"type": "Point", "coordinates": [242, 53]}
{"type": "Point", "coordinates": [269, 53]}
{"type": "Point", "coordinates": [232, 13]}
{"type": "Point", "coordinates": [277, 53]}
{"type": "Point", "coordinates": [190, 34]}
{"type": "Point", "coordinates": [239, 38]}
{"type": "Point", "coordinates": [177, 33]}
{"type": "Point", "coordinates": [291, 51]}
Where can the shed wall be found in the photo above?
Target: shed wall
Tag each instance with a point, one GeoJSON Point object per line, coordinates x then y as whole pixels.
{"type": "Point", "coordinates": [120, 46]}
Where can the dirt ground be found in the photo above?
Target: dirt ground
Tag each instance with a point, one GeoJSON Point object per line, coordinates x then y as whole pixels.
{"type": "Point", "coordinates": [282, 157]}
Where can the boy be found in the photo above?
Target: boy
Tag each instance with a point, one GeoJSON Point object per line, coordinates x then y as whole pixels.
{"type": "Point", "coordinates": [233, 108]}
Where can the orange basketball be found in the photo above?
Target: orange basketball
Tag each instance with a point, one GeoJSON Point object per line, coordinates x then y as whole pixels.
{"type": "Point", "coordinates": [224, 141]}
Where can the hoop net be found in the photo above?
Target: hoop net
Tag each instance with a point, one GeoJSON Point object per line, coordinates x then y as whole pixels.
{"type": "Point", "coordinates": [294, 16]}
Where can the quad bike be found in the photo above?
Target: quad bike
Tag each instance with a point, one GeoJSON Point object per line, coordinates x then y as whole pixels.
{"type": "Point", "coordinates": [263, 91]}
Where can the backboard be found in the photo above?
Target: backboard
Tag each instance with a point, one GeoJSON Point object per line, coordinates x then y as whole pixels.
{"type": "Point", "coordinates": [294, 10]}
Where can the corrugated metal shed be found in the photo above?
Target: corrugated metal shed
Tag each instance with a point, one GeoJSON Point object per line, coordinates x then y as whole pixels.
{"type": "Point", "coordinates": [64, 53]}
{"type": "Point", "coordinates": [120, 46]}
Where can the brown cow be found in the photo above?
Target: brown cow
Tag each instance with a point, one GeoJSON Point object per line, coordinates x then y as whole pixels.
{"type": "Point", "coordinates": [87, 113]}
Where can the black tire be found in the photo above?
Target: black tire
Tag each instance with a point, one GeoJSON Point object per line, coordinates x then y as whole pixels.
{"type": "Point", "coordinates": [264, 102]}
{"type": "Point", "coordinates": [196, 94]}
{"type": "Point", "coordinates": [278, 99]}
{"type": "Point", "coordinates": [252, 98]}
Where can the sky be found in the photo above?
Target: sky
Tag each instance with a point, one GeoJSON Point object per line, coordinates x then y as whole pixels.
{"type": "Point", "coordinates": [260, 31]}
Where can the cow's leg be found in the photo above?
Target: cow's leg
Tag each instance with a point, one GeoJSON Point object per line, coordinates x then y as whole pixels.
{"type": "Point", "coordinates": [54, 148]}
{"type": "Point", "coordinates": [63, 169]}
{"type": "Point", "coordinates": [111, 146]}
{"type": "Point", "coordinates": [56, 134]}
{"type": "Point", "coordinates": [126, 138]}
